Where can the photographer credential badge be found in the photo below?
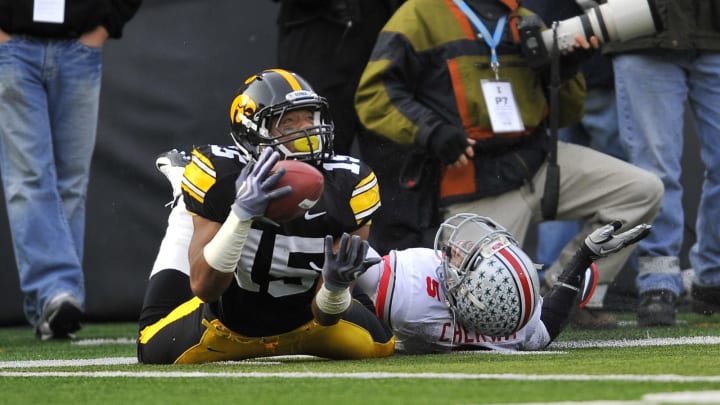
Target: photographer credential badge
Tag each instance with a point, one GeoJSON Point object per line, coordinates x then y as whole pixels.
{"type": "Point", "coordinates": [501, 106]}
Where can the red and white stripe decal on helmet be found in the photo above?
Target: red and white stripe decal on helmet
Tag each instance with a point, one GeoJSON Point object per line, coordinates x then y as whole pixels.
{"type": "Point", "coordinates": [522, 280]}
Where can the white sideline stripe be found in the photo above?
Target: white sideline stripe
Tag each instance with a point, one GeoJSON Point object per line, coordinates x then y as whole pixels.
{"type": "Point", "coordinates": [107, 361]}
{"type": "Point", "coordinates": [505, 352]}
{"type": "Point", "coordinates": [366, 376]}
{"type": "Point", "coordinates": [114, 361]}
{"type": "Point", "coordinates": [583, 344]}
{"type": "Point", "coordinates": [685, 397]}
{"type": "Point", "coordinates": [99, 342]}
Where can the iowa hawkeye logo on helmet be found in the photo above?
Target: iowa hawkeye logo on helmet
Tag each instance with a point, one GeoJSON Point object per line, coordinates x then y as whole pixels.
{"type": "Point", "coordinates": [242, 110]}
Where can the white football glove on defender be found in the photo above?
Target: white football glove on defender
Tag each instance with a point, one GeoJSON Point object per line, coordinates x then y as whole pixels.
{"type": "Point", "coordinates": [602, 243]}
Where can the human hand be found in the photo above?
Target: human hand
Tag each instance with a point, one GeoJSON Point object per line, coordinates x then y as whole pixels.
{"type": "Point", "coordinates": [254, 186]}
{"type": "Point", "coordinates": [602, 242]}
{"type": "Point", "coordinates": [345, 266]}
{"type": "Point", "coordinates": [4, 36]}
{"type": "Point", "coordinates": [450, 144]}
{"type": "Point", "coordinates": [465, 157]}
{"type": "Point", "coordinates": [95, 38]}
{"type": "Point", "coordinates": [584, 44]}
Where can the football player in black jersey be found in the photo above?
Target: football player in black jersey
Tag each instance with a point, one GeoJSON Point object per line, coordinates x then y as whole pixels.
{"type": "Point", "coordinates": [250, 287]}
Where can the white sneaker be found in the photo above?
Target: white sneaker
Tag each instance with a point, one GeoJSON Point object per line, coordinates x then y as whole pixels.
{"type": "Point", "coordinates": [172, 165]}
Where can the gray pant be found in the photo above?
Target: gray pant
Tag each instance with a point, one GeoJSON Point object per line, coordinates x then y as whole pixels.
{"type": "Point", "coordinates": [594, 187]}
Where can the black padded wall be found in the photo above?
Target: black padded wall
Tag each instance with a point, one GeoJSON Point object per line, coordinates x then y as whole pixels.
{"type": "Point", "coordinates": [167, 84]}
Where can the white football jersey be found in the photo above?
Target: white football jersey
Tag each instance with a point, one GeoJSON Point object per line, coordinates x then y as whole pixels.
{"type": "Point", "coordinates": [409, 298]}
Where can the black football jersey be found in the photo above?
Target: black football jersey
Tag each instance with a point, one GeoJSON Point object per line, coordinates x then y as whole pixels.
{"type": "Point", "coordinates": [275, 280]}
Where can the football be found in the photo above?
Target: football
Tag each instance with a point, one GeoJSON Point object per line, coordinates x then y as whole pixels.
{"type": "Point", "coordinates": [307, 186]}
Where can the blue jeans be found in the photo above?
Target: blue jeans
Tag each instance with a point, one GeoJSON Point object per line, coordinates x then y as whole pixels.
{"type": "Point", "coordinates": [49, 96]}
{"type": "Point", "coordinates": [599, 130]}
{"type": "Point", "coordinates": [652, 91]}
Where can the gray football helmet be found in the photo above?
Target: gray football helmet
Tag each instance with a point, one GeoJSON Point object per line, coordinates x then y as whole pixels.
{"type": "Point", "coordinates": [491, 284]}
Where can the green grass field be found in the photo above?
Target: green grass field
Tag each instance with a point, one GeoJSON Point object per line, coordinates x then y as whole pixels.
{"type": "Point", "coordinates": [629, 365]}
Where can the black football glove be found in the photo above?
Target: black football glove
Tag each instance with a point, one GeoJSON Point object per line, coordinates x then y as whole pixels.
{"type": "Point", "coordinates": [601, 242]}
{"type": "Point", "coordinates": [345, 266]}
{"type": "Point", "coordinates": [448, 143]}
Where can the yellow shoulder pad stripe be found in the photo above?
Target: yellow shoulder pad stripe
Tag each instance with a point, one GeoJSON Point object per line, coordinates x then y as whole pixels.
{"type": "Point", "coordinates": [365, 199]}
{"type": "Point", "coordinates": [199, 176]}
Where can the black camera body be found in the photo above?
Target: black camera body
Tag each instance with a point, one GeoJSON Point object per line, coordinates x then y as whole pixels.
{"type": "Point", "coordinates": [531, 42]}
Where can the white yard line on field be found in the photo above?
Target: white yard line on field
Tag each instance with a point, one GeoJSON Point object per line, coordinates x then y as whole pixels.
{"type": "Point", "coordinates": [367, 376]}
{"type": "Point", "coordinates": [686, 397]}
{"type": "Point", "coordinates": [583, 344]}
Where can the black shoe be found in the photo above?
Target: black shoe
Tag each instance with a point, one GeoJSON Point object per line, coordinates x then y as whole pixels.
{"type": "Point", "coordinates": [705, 299]}
{"type": "Point", "coordinates": [61, 318]}
{"type": "Point", "coordinates": [656, 308]}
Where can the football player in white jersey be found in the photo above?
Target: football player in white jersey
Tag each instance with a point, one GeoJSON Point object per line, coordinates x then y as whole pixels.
{"type": "Point", "coordinates": [478, 290]}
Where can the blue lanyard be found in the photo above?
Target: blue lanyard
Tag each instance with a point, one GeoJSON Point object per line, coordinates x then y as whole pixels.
{"type": "Point", "coordinates": [491, 40]}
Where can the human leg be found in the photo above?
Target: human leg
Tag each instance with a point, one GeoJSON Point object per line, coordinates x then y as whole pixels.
{"type": "Point", "coordinates": [598, 189]}
{"type": "Point", "coordinates": [47, 246]}
{"type": "Point", "coordinates": [73, 103]}
{"type": "Point", "coordinates": [169, 280]}
{"type": "Point", "coordinates": [163, 339]}
{"type": "Point", "coordinates": [73, 93]}
{"type": "Point", "coordinates": [652, 90]}
{"type": "Point", "coordinates": [192, 334]}
{"type": "Point", "coordinates": [554, 235]}
{"type": "Point", "coordinates": [599, 130]}
{"type": "Point", "coordinates": [651, 95]}
{"type": "Point", "coordinates": [601, 122]}
{"type": "Point", "coordinates": [704, 99]}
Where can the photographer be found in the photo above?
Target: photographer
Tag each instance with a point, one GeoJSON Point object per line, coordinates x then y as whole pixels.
{"type": "Point", "coordinates": [656, 77]}
{"type": "Point", "coordinates": [451, 79]}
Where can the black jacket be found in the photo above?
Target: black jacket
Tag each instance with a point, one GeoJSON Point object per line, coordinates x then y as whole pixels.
{"type": "Point", "coordinates": [81, 16]}
{"type": "Point", "coordinates": [688, 25]}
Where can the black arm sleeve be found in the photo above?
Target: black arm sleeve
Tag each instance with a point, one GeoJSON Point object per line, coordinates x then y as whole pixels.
{"type": "Point", "coordinates": [120, 12]}
{"type": "Point", "coordinates": [562, 299]}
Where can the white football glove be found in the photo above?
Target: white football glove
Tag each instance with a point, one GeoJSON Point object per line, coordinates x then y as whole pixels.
{"type": "Point", "coordinates": [602, 243]}
{"type": "Point", "coordinates": [254, 186]}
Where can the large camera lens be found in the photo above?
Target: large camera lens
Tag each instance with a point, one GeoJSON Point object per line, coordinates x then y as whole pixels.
{"type": "Point", "coordinates": [615, 20]}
